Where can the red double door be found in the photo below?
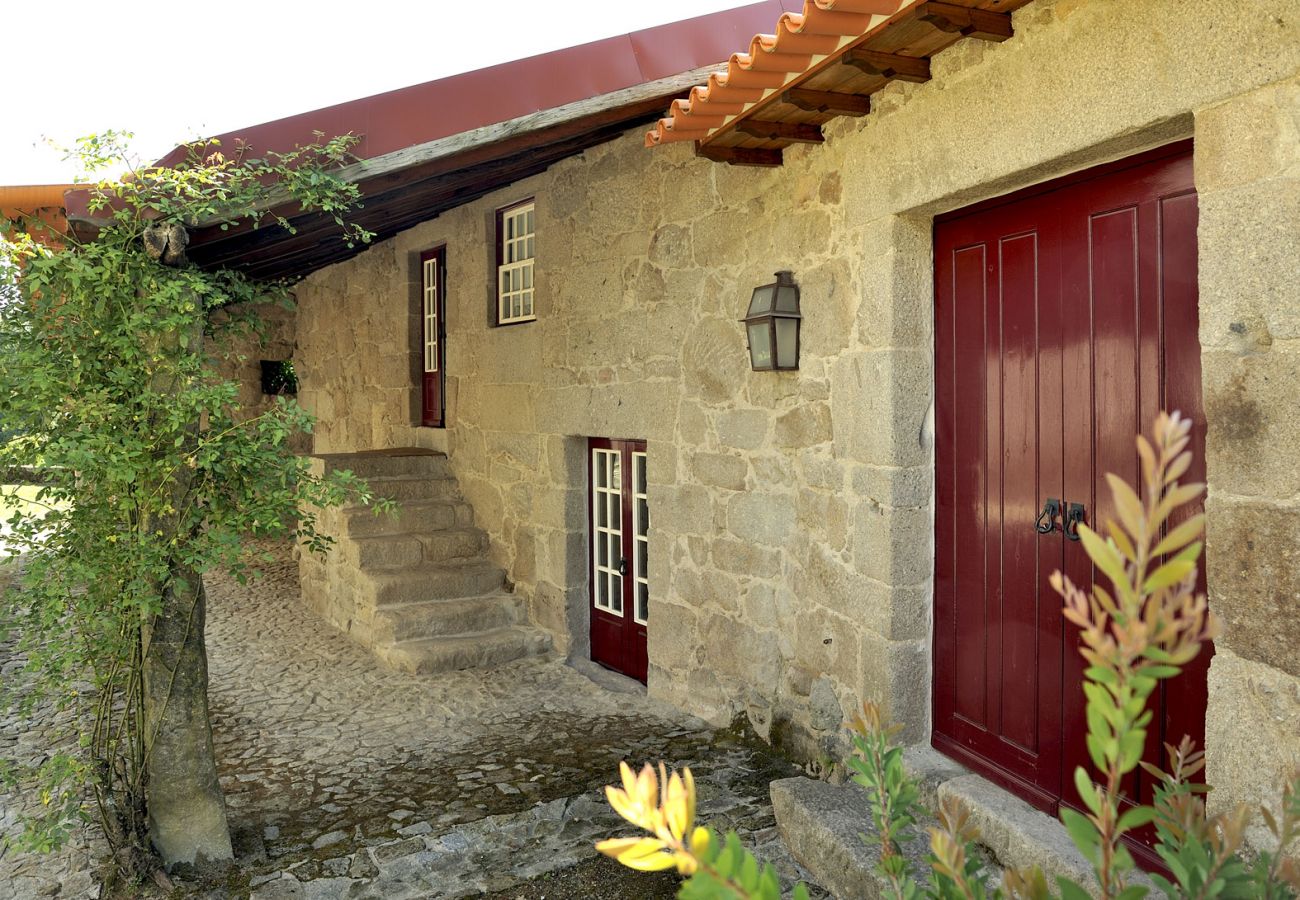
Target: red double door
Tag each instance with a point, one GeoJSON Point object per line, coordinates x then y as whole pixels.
{"type": "Point", "coordinates": [619, 529]}
{"type": "Point", "coordinates": [1065, 319]}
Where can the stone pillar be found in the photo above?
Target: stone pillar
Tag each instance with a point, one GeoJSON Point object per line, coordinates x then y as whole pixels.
{"type": "Point", "coordinates": [1248, 180]}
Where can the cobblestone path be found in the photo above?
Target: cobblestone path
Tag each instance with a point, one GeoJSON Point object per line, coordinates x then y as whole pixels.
{"type": "Point", "coordinates": [344, 779]}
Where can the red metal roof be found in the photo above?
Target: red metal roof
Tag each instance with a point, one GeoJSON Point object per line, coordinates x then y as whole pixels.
{"type": "Point", "coordinates": [415, 115]}
{"type": "Point", "coordinates": [438, 145]}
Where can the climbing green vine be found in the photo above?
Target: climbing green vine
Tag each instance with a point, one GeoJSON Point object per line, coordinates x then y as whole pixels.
{"type": "Point", "coordinates": [152, 474]}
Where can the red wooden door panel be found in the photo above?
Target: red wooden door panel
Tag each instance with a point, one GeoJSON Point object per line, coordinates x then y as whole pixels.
{"type": "Point", "coordinates": [433, 276]}
{"type": "Point", "coordinates": [1065, 319]}
{"type": "Point", "coordinates": [998, 668]}
{"type": "Point", "coordinates": [619, 527]}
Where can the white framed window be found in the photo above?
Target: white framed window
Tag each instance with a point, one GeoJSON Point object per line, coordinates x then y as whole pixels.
{"type": "Point", "coordinates": [640, 540]}
{"type": "Point", "coordinates": [607, 530]}
{"type": "Point", "coordinates": [431, 314]}
{"type": "Point", "coordinates": [516, 252]}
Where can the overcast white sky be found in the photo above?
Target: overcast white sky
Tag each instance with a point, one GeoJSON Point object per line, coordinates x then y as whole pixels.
{"type": "Point", "coordinates": [179, 70]}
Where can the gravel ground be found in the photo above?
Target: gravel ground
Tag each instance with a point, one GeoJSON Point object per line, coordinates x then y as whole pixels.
{"type": "Point", "coordinates": [344, 779]}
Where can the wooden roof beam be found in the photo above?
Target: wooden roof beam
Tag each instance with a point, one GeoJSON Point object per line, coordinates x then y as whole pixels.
{"type": "Point", "coordinates": [963, 20]}
{"type": "Point", "coordinates": [915, 69]}
{"type": "Point", "coordinates": [828, 102]}
{"type": "Point", "coordinates": [740, 156]}
{"type": "Point", "coordinates": [795, 132]}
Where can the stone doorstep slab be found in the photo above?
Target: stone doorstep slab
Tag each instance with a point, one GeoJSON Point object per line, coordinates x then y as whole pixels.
{"type": "Point", "coordinates": [822, 825]}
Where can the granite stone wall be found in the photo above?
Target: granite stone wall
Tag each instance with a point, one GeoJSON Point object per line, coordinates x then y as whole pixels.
{"type": "Point", "coordinates": [792, 524]}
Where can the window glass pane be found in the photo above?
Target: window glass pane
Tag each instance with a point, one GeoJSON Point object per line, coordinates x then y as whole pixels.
{"type": "Point", "coordinates": [528, 223]}
{"type": "Point", "coordinates": [598, 463]}
{"type": "Point", "coordinates": [602, 590]}
{"type": "Point", "coordinates": [639, 460]}
{"type": "Point", "coordinates": [615, 471]}
{"type": "Point", "coordinates": [760, 345]}
{"type": "Point", "coordinates": [642, 516]}
{"type": "Point", "coordinates": [528, 248]}
{"type": "Point", "coordinates": [528, 304]}
{"type": "Point", "coordinates": [528, 276]}
{"type": "Point", "coordinates": [787, 333]}
{"type": "Point", "coordinates": [642, 602]}
{"type": "Point", "coordinates": [602, 552]}
{"type": "Point", "coordinates": [602, 512]}
{"type": "Point", "coordinates": [615, 511]}
{"type": "Point", "coordinates": [616, 593]}
{"type": "Point", "coordinates": [642, 557]}
{"type": "Point", "coordinates": [760, 301]}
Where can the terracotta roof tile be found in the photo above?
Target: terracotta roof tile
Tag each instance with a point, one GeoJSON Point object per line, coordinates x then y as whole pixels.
{"type": "Point", "coordinates": [802, 40]}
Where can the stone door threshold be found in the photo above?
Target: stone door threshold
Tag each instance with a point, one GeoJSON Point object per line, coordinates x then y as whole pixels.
{"type": "Point", "coordinates": [823, 825]}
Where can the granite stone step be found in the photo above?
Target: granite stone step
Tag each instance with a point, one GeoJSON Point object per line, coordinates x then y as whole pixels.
{"type": "Point", "coordinates": [445, 618]}
{"type": "Point", "coordinates": [445, 581]}
{"type": "Point", "coordinates": [410, 517]}
{"type": "Point", "coordinates": [395, 551]}
{"type": "Point", "coordinates": [412, 487]}
{"type": "Point", "coordinates": [411, 463]}
{"type": "Point", "coordinates": [445, 654]}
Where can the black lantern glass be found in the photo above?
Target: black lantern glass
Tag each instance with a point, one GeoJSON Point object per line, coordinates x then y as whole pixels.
{"type": "Point", "coordinates": [772, 325]}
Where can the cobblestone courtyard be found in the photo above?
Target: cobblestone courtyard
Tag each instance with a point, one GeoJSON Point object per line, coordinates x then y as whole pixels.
{"type": "Point", "coordinates": [344, 779]}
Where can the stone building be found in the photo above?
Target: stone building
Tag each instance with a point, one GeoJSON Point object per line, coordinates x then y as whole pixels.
{"type": "Point", "coordinates": [1048, 220]}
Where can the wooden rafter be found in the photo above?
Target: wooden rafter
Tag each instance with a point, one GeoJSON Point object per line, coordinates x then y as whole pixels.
{"type": "Point", "coordinates": [966, 21]}
{"type": "Point", "coordinates": [888, 65]}
{"type": "Point", "coordinates": [828, 102]}
{"type": "Point", "coordinates": [740, 156]}
{"type": "Point", "coordinates": [795, 132]}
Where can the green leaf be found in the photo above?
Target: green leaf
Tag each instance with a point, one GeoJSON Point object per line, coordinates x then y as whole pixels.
{"type": "Point", "coordinates": [1171, 573]}
{"type": "Point", "coordinates": [1137, 817]}
{"type": "Point", "coordinates": [1087, 790]}
{"type": "Point", "coordinates": [1105, 556]}
{"type": "Point", "coordinates": [1082, 832]}
{"type": "Point", "coordinates": [1071, 890]}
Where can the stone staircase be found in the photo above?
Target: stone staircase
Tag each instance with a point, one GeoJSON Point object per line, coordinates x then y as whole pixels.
{"type": "Point", "coordinates": [417, 587]}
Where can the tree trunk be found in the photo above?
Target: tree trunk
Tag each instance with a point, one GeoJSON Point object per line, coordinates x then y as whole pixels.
{"type": "Point", "coordinates": [187, 812]}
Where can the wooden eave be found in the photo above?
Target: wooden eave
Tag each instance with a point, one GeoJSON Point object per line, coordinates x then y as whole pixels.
{"type": "Point", "coordinates": [838, 83]}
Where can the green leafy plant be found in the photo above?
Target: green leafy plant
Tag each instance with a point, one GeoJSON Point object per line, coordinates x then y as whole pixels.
{"type": "Point", "coordinates": [1143, 631]}
{"type": "Point", "coordinates": [152, 475]}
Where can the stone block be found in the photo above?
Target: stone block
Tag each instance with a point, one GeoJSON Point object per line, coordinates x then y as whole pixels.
{"type": "Point", "coordinates": [720, 470]}
{"type": "Point", "coordinates": [896, 295]}
{"type": "Point", "coordinates": [823, 826]}
{"type": "Point", "coordinates": [805, 426]}
{"type": "Point", "coordinates": [686, 508]}
{"type": "Point", "coordinates": [891, 486]}
{"type": "Point", "coordinates": [893, 544]}
{"type": "Point", "coordinates": [740, 558]}
{"type": "Point", "coordinates": [897, 613]}
{"type": "Point", "coordinates": [743, 429]}
{"type": "Point", "coordinates": [1020, 836]}
{"type": "Point", "coordinates": [509, 407]}
{"type": "Point", "coordinates": [881, 399]}
{"type": "Point", "coordinates": [1249, 138]}
{"type": "Point", "coordinates": [761, 518]}
{"type": "Point", "coordinates": [1247, 247]}
{"type": "Point", "coordinates": [1253, 435]}
{"type": "Point", "coordinates": [706, 590]}
{"type": "Point", "coordinates": [714, 360]}
{"type": "Point", "coordinates": [896, 675]}
{"type": "Point", "coordinates": [1251, 724]}
{"type": "Point", "coordinates": [1253, 559]}
{"type": "Point", "coordinates": [827, 643]}
{"type": "Point", "coordinates": [739, 651]}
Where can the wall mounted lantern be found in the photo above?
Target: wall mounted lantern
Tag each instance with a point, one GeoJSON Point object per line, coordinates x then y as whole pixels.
{"type": "Point", "coordinates": [772, 325]}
